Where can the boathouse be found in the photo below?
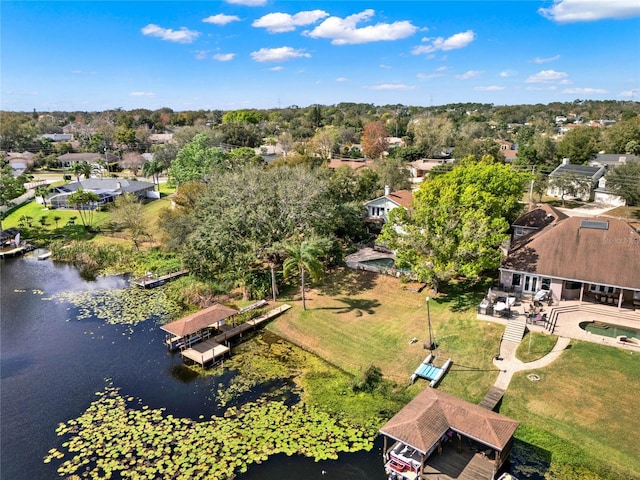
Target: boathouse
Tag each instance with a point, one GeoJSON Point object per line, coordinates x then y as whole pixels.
{"type": "Point", "coordinates": [197, 327]}
{"type": "Point", "coordinates": [437, 435]}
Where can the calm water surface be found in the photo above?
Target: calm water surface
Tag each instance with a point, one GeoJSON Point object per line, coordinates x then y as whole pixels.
{"type": "Point", "coordinates": [51, 365]}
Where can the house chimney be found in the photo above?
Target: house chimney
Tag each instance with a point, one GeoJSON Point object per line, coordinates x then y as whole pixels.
{"type": "Point", "coordinates": [387, 190]}
{"type": "Point", "coordinates": [118, 186]}
{"type": "Point", "coordinates": [565, 161]}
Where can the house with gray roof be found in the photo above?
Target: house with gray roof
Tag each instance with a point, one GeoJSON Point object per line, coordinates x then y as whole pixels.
{"type": "Point", "coordinates": [69, 159]}
{"type": "Point", "coordinates": [107, 189]}
{"type": "Point", "coordinates": [582, 174]}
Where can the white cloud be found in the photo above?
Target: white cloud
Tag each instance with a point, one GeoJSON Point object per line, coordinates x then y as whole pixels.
{"type": "Point", "coordinates": [628, 93]}
{"type": "Point", "coordinates": [458, 40]}
{"type": "Point", "coordinates": [224, 57]}
{"type": "Point", "coordinates": [386, 67]}
{"type": "Point", "coordinates": [184, 35]}
{"type": "Point", "coordinates": [505, 74]}
{"type": "Point", "coordinates": [547, 76]}
{"type": "Point", "coordinates": [276, 69]}
{"type": "Point", "coordinates": [443, 68]}
{"type": "Point", "coordinates": [284, 22]}
{"type": "Point", "coordinates": [540, 89]}
{"type": "Point", "coordinates": [142, 94]}
{"type": "Point", "coordinates": [584, 91]}
{"type": "Point", "coordinates": [342, 79]}
{"type": "Point", "coordinates": [469, 74]}
{"type": "Point", "coordinates": [281, 54]}
{"type": "Point", "coordinates": [201, 54]}
{"type": "Point", "coordinates": [345, 31]}
{"type": "Point", "coordinates": [590, 10]}
{"type": "Point", "coordinates": [221, 19]}
{"type": "Point", "coordinates": [82, 72]}
{"type": "Point", "coordinates": [391, 86]}
{"type": "Point", "coordinates": [489, 88]}
{"type": "Point", "coordinates": [429, 76]}
{"type": "Point", "coordinates": [539, 60]}
{"type": "Point", "coordinates": [248, 3]}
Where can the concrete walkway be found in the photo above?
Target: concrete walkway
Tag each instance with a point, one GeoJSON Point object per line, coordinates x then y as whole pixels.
{"type": "Point", "coordinates": [509, 364]}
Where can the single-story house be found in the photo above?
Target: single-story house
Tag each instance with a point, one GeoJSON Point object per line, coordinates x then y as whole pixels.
{"type": "Point", "coordinates": [69, 159]}
{"type": "Point", "coordinates": [508, 149]}
{"type": "Point", "coordinates": [58, 137]}
{"type": "Point", "coordinates": [595, 259]}
{"type": "Point", "coordinates": [474, 437]}
{"type": "Point", "coordinates": [160, 138]}
{"type": "Point", "coordinates": [590, 174]}
{"type": "Point", "coordinates": [612, 159]}
{"type": "Point", "coordinates": [20, 161]}
{"type": "Point", "coordinates": [419, 169]}
{"type": "Point", "coordinates": [378, 209]}
{"type": "Point", "coordinates": [107, 189]}
{"type": "Point", "coordinates": [353, 163]}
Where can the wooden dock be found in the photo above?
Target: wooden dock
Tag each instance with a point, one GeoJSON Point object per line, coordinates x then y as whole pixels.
{"type": "Point", "coordinates": [492, 398]}
{"type": "Point", "coordinates": [151, 281]}
{"type": "Point", "coordinates": [208, 351]}
{"type": "Point", "coordinates": [205, 352]}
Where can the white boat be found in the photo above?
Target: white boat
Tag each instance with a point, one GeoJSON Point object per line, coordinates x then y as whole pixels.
{"type": "Point", "coordinates": [44, 256]}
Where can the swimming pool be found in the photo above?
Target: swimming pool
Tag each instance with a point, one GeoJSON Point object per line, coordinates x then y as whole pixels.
{"type": "Point", "coordinates": [609, 330]}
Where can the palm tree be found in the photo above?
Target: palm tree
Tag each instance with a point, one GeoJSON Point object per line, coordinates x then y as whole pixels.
{"type": "Point", "coordinates": [304, 257]}
{"type": "Point", "coordinates": [153, 168]}
{"type": "Point", "coordinates": [85, 202]}
{"type": "Point", "coordinates": [42, 191]}
{"type": "Point", "coordinates": [81, 168]}
{"type": "Point", "coordinates": [56, 219]}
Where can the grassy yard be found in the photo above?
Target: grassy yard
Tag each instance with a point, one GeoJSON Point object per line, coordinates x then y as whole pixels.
{"type": "Point", "coordinates": [534, 346]}
{"type": "Point", "coordinates": [583, 408]}
{"type": "Point", "coordinates": [582, 411]}
{"type": "Point", "coordinates": [34, 211]}
{"type": "Point", "coordinates": [357, 319]}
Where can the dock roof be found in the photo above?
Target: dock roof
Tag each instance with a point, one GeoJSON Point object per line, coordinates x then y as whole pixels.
{"type": "Point", "coordinates": [209, 317]}
{"type": "Point", "coordinates": [426, 418]}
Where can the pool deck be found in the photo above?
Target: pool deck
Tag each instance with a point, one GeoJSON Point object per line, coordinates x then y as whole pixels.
{"type": "Point", "coordinates": [572, 313]}
{"type": "Point", "coordinates": [367, 254]}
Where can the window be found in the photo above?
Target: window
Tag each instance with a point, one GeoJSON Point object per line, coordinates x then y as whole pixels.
{"type": "Point", "coordinates": [516, 280]}
{"type": "Point", "coordinates": [546, 284]}
{"type": "Point", "coordinates": [572, 285]}
{"type": "Point", "coordinates": [518, 231]}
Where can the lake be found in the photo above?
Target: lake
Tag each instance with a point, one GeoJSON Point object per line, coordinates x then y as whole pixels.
{"type": "Point", "coordinates": [51, 365]}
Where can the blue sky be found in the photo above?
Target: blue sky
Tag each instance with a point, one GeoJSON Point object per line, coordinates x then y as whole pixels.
{"type": "Point", "coordinates": [232, 54]}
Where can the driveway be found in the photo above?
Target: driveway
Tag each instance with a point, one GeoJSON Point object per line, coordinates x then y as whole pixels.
{"type": "Point", "coordinates": [588, 210]}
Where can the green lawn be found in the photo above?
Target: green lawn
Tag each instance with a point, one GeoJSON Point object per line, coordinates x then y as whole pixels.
{"type": "Point", "coordinates": [534, 346]}
{"type": "Point", "coordinates": [583, 410]}
{"type": "Point", "coordinates": [356, 319]}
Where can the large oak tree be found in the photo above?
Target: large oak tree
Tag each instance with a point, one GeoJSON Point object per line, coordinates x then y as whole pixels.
{"type": "Point", "coordinates": [458, 221]}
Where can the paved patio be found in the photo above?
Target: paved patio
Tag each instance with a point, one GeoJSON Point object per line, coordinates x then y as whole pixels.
{"type": "Point", "coordinates": [569, 316]}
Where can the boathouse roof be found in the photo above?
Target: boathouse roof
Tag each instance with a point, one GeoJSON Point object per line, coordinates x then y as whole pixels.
{"type": "Point", "coordinates": [426, 418]}
{"type": "Point", "coordinates": [209, 317]}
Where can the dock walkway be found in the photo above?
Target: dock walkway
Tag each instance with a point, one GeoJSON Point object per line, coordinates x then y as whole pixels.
{"type": "Point", "coordinates": [151, 281]}
{"type": "Point", "coordinates": [208, 351]}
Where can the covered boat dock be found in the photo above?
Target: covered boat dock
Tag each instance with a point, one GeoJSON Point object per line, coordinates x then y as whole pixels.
{"type": "Point", "coordinates": [437, 435]}
{"type": "Point", "coordinates": [186, 333]}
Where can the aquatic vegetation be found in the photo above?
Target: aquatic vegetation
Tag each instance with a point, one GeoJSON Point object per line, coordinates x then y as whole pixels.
{"type": "Point", "coordinates": [127, 306]}
{"type": "Point", "coordinates": [112, 438]}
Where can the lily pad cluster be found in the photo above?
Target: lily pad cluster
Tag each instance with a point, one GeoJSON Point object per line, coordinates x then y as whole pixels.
{"type": "Point", "coordinates": [112, 439]}
{"type": "Point", "coordinates": [126, 306]}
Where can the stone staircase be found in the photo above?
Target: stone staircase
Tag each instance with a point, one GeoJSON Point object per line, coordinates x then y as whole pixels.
{"type": "Point", "coordinates": [515, 330]}
{"type": "Point", "coordinates": [588, 308]}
